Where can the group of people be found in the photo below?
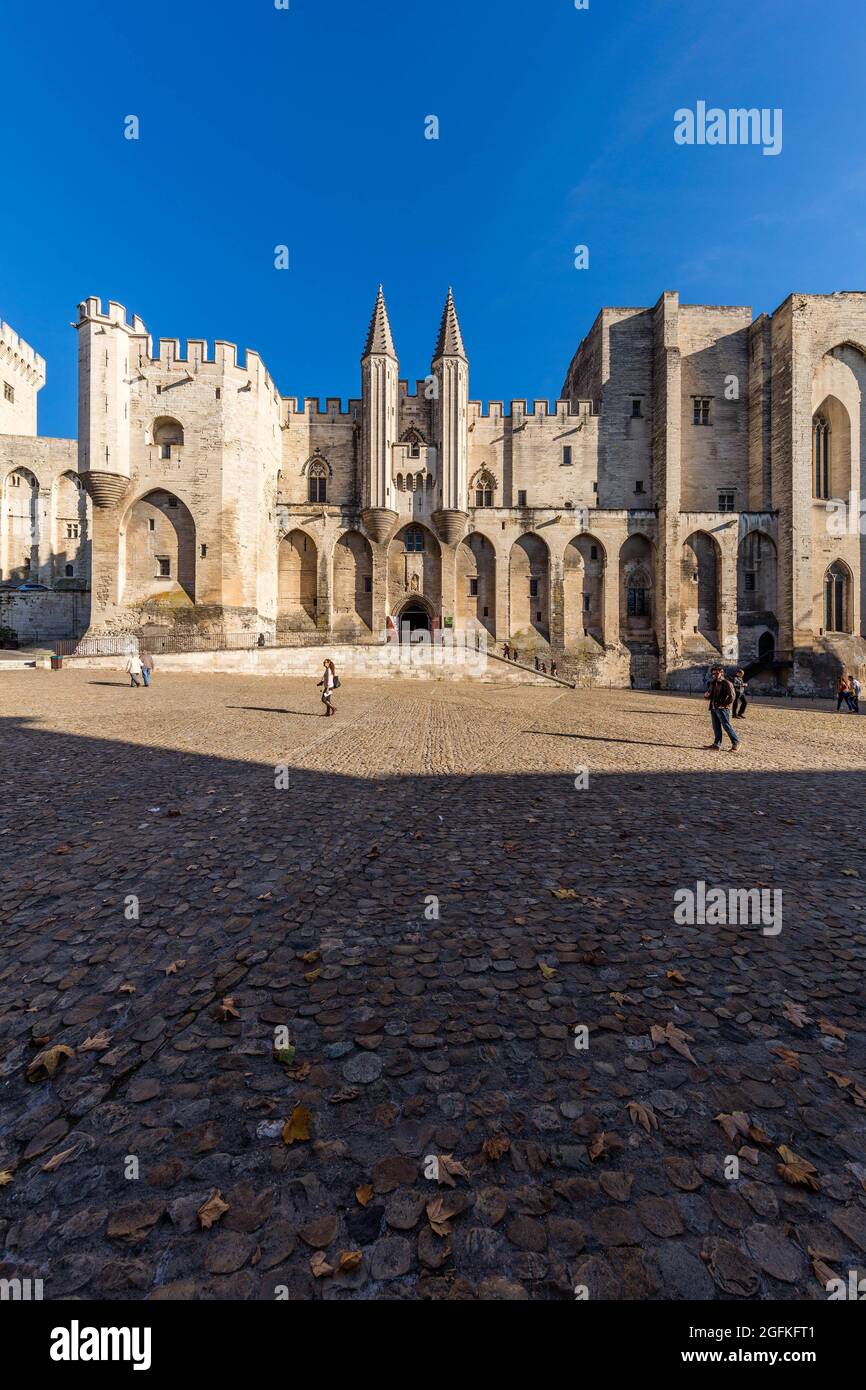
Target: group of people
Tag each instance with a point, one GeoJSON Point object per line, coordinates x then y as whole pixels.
{"type": "Point", "coordinates": [848, 690]}
{"type": "Point", "coordinates": [140, 664]}
{"type": "Point", "coordinates": [511, 654]}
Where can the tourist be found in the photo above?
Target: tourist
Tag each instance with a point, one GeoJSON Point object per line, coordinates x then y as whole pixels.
{"type": "Point", "coordinates": [843, 694]}
{"type": "Point", "coordinates": [537, 664]}
{"type": "Point", "coordinates": [553, 668]}
{"type": "Point", "coordinates": [740, 687]}
{"type": "Point", "coordinates": [856, 688]}
{"type": "Point", "coordinates": [134, 668]}
{"type": "Point", "coordinates": [543, 669]}
{"type": "Point", "coordinates": [146, 665]}
{"type": "Point", "coordinates": [329, 684]}
{"type": "Point", "coordinates": [506, 650]}
{"type": "Point", "coordinates": [515, 655]}
{"type": "Point", "coordinates": [720, 694]}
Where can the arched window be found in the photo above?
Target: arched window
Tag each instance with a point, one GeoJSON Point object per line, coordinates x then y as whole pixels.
{"type": "Point", "coordinates": [821, 456]}
{"type": "Point", "coordinates": [317, 482]}
{"type": "Point", "coordinates": [836, 594]}
{"type": "Point", "coordinates": [484, 486]}
{"type": "Point", "coordinates": [638, 595]}
{"type": "Point", "coordinates": [414, 440]}
{"type": "Point", "coordinates": [167, 435]}
{"type": "Point", "coordinates": [415, 540]}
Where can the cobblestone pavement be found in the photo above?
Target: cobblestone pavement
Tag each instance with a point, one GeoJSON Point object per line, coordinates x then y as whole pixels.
{"type": "Point", "coordinates": [418, 1038]}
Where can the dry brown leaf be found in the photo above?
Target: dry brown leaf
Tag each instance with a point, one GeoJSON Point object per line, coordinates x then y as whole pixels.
{"type": "Point", "coordinates": [841, 1081]}
{"type": "Point", "coordinates": [65, 1156]}
{"type": "Point", "coordinates": [795, 1013]}
{"type": "Point", "coordinates": [547, 970]}
{"type": "Point", "coordinates": [823, 1272]}
{"type": "Point", "coordinates": [98, 1043]}
{"type": "Point", "coordinates": [791, 1059]}
{"type": "Point", "coordinates": [643, 1115]}
{"type": "Point", "coordinates": [564, 892]}
{"type": "Point", "coordinates": [127, 989]}
{"type": "Point", "coordinates": [227, 1009]}
{"type": "Point", "coordinates": [449, 1168]}
{"type": "Point", "coordinates": [797, 1171]}
{"type": "Point", "coordinates": [319, 1265]}
{"type": "Point", "coordinates": [495, 1146]}
{"type": "Point", "coordinates": [621, 998]}
{"type": "Point", "coordinates": [735, 1124]}
{"type": "Point", "coordinates": [312, 976]}
{"type": "Point", "coordinates": [350, 1259]}
{"type": "Point", "coordinates": [750, 1155]}
{"type": "Point", "coordinates": [760, 1135]}
{"type": "Point", "coordinates": [675, 975]}
{"type": "Point", "coordinates": [174, 967]}
{"type": "Point", "coordinates": [210, 1211]}
{"type": "Point", "coordinates": [297, 1126]}
{"type": "Point", "coordinates": [5, 1178]}
{"type": "Point", "coordinates": [831, 1029]}
{"type": "Point", "coordinates": [674, 1037]}
{"type": "Point", "coordinates": [48, 1062]}
{"type": "Point", "coordinates": [598, 1146]}
{"type": "Point", "coordinates": [309, 956]}
{"type": "Point", "coordinates": [364, 1194]}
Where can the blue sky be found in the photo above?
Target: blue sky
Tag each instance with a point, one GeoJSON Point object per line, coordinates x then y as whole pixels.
{"type": "Point", "coordinates": [305, 127]}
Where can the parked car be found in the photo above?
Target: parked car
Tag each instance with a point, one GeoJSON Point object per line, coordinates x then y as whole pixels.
{"type": "Point", "coordinates": [32, 588]}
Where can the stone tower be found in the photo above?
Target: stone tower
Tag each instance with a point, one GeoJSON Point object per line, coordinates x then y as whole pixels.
{"type": "Point", "coordinates": [451, 426]}
{"type": "Point", "coordinates": [379, 400]}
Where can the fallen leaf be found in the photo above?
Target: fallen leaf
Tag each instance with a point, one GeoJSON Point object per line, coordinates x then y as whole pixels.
{"type": "Point", "coordinates": [227, 1009]}
{"type": "Point", "coordinates": [5, 1178]}
{"type": "Point", "coordinates": [174, 967]}
{"type": "Point", "coordinates": [791, 1059]}
{"type": "Point", "coordinates": [795, 1013]}
{"type": "Point", "coordinates": [495, 1146]}
{"type": "Point", "coordinates": [297, 1126]}
{"type": "Point", "coordinates": [210, 1211]}
{"type": "Point", "coordinates": [735, 1124]}
{"type": "Point", "coordinates": [564, 892]}
{"type": "Point", "coordinates": [674, 1037]}
{"type": "Point", "coordinates": [48, 1062]}
{"type": "Point", "coordinates": [60, 1158]}
{"type": "Point", "coordinates": [350, 1259]}
{"type": "Point", "coordinates": [751, 1155]}
{"type": "Point", "coordinates": [797, 1171]}
{"type": "Point", "coordinates": [831, 1029]}
{"type": "Point", "coordinates": [311, 976]}
{"type": "Point", "coordinates": [127, 989]}
{"type": "Point", "coordinates": [449, 1168]}
{"type": "Point", "coordinates": [364, 1194]}
{"type": "Point", "coordinates": [823, 1272]}
{"type": "Point", "coordinates": [675, 975]}
{"type": "Point", "coordinates": [309, 956]}
{"type": "Point", "coordinates": [547, 971]}
{"type": "Point", "coordinates": [841, 1081]}
{"type": "Point", "coordinates": [285, 1055]}
{"type": "Point", "coordinates": [319, 1265]}
{"type": "Point", "coordinates": [598, 1146]}
{"type": "Point", "coordinates": [98, 1043]}
{"type": "Point", "coordinates": [642, 1114]}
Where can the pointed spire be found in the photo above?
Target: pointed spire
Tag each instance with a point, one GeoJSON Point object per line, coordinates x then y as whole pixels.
{"type": "Point", "coordinates": [379, 338]}
{"type": "Point", "coordinates": [450, 341]}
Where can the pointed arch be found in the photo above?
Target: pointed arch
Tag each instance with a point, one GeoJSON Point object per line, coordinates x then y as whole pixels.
{"type": "Point", "coordinates": [700, 582]}
{"type": "Point", "coordinates": [838, 598]}
{"type": "Point", "coordinates": [637, 587]}
{"type": "Point", "coordinates": [157, 550]}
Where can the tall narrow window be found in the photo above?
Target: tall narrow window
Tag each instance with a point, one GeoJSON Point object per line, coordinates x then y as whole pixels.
{"type": "Point", "coordinates": [821, 456]}
{"type": "Point", "coordinates": [836, 599]}
{"type": "Point", "coordinates": [484, 490]}
{"type": "Point", "coordinates": [317, 482]}
{"type": "Point", "coordinates": [566, 455]}
{"type": "Point", "coordinates": [415, 540]}
{"type": "Point", "coordinates": [702, 410]}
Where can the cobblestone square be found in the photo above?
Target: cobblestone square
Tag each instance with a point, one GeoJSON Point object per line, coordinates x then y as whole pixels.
{"type": "Point", "coordinates": [438, 913]}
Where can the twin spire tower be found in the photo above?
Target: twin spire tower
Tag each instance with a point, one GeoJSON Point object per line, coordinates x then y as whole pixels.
{"type": "Point", "coordinates": [447, 391]}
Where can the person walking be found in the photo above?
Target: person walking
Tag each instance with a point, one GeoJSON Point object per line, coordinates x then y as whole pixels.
{"type": "Point", "coordinates": [329, 684]}
{"type": "Point", "coordinates": [740, 687]}
{"type": "Point", "coordinates": [720, 694]}
{"type": "Point", "coordinates": [515, 654]}
{"type": "Point", "coordinates": [506, 650]}
{"type": "Point", "coordinates": [146, 666]}
{"type": "Point", "coordinates": [856, 689]}
{"type": "Point", "coordinates": [553, 668]}
{"type": "Point", "coordinates": [134, 668]}
{"type": "Point", "coordinates": [843, 694]}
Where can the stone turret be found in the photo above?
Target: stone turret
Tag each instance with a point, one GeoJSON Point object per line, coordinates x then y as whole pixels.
{"type": "Point", "coordinates": [107, 365]}
{"type": "Point", "coordinates": [380, 373]}
{"type": "Point", "coordinates": [451, 426]}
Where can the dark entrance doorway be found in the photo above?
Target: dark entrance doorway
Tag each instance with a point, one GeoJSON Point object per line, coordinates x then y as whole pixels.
{"type": "Point", "coordinates": [415, 618]}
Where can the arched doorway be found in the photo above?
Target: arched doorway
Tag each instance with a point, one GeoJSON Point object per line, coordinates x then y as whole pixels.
{"type": "Point", "coordinates": [766, 646]}
{"type": "Point", "coordinates": [413, 618]}
{"type": "Point", "coordinates": [297, 569]}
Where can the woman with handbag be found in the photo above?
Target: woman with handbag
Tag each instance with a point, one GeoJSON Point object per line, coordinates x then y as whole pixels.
{"type": "Point", "coordinates": [330, 682]}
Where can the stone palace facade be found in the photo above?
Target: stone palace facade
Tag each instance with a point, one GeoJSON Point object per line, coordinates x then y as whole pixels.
{"type": "Point", "coordinates": [675, 506]}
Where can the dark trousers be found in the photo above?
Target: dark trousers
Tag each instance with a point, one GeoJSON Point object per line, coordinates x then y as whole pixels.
{"type": "Point", "coordinates": [740, 704]}
{"type": "Point", "coordinates": [843, 698]}
{"type": "Point", "coordinates": [722, 721]}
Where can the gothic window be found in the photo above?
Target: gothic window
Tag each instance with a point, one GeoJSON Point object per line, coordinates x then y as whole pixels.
{"type": "Point", "coordinates": [167, 435]}
{"type": "Point", "coordinates": [821, 457]}
{"type": "Point", "coordinates": [317, 482]}
{"type": "Point", "coordinates": [414, 441]}
{"type": "Point", "coordinates": [484, 485]}
{"type": "Point", "coordinates": [836, 599]}
{"type": "Point", "coordinates": [415, 540]}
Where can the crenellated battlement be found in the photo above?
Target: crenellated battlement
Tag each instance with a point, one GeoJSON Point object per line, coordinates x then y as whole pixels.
{"type": "Point", "coordinates": [539, 411]}
{"type": "Point", "coordinates": [21, 356]}
{"type": "Point", "coordinates": [311, 409]}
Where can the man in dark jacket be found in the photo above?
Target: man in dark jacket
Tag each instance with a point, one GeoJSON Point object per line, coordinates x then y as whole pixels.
{"type": "Point", "coordinates": [720, 694]}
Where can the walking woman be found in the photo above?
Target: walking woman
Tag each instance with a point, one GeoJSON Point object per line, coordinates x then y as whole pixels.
{"type": "Point", "coordinates": [329, 684]}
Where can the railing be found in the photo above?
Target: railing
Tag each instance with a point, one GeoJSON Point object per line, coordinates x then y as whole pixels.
{"type": "Point", "coordinates": [167, 643]}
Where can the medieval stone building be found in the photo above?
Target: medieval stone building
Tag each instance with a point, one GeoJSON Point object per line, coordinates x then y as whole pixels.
{"type": "Point", "coordinates": [673, 507]}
